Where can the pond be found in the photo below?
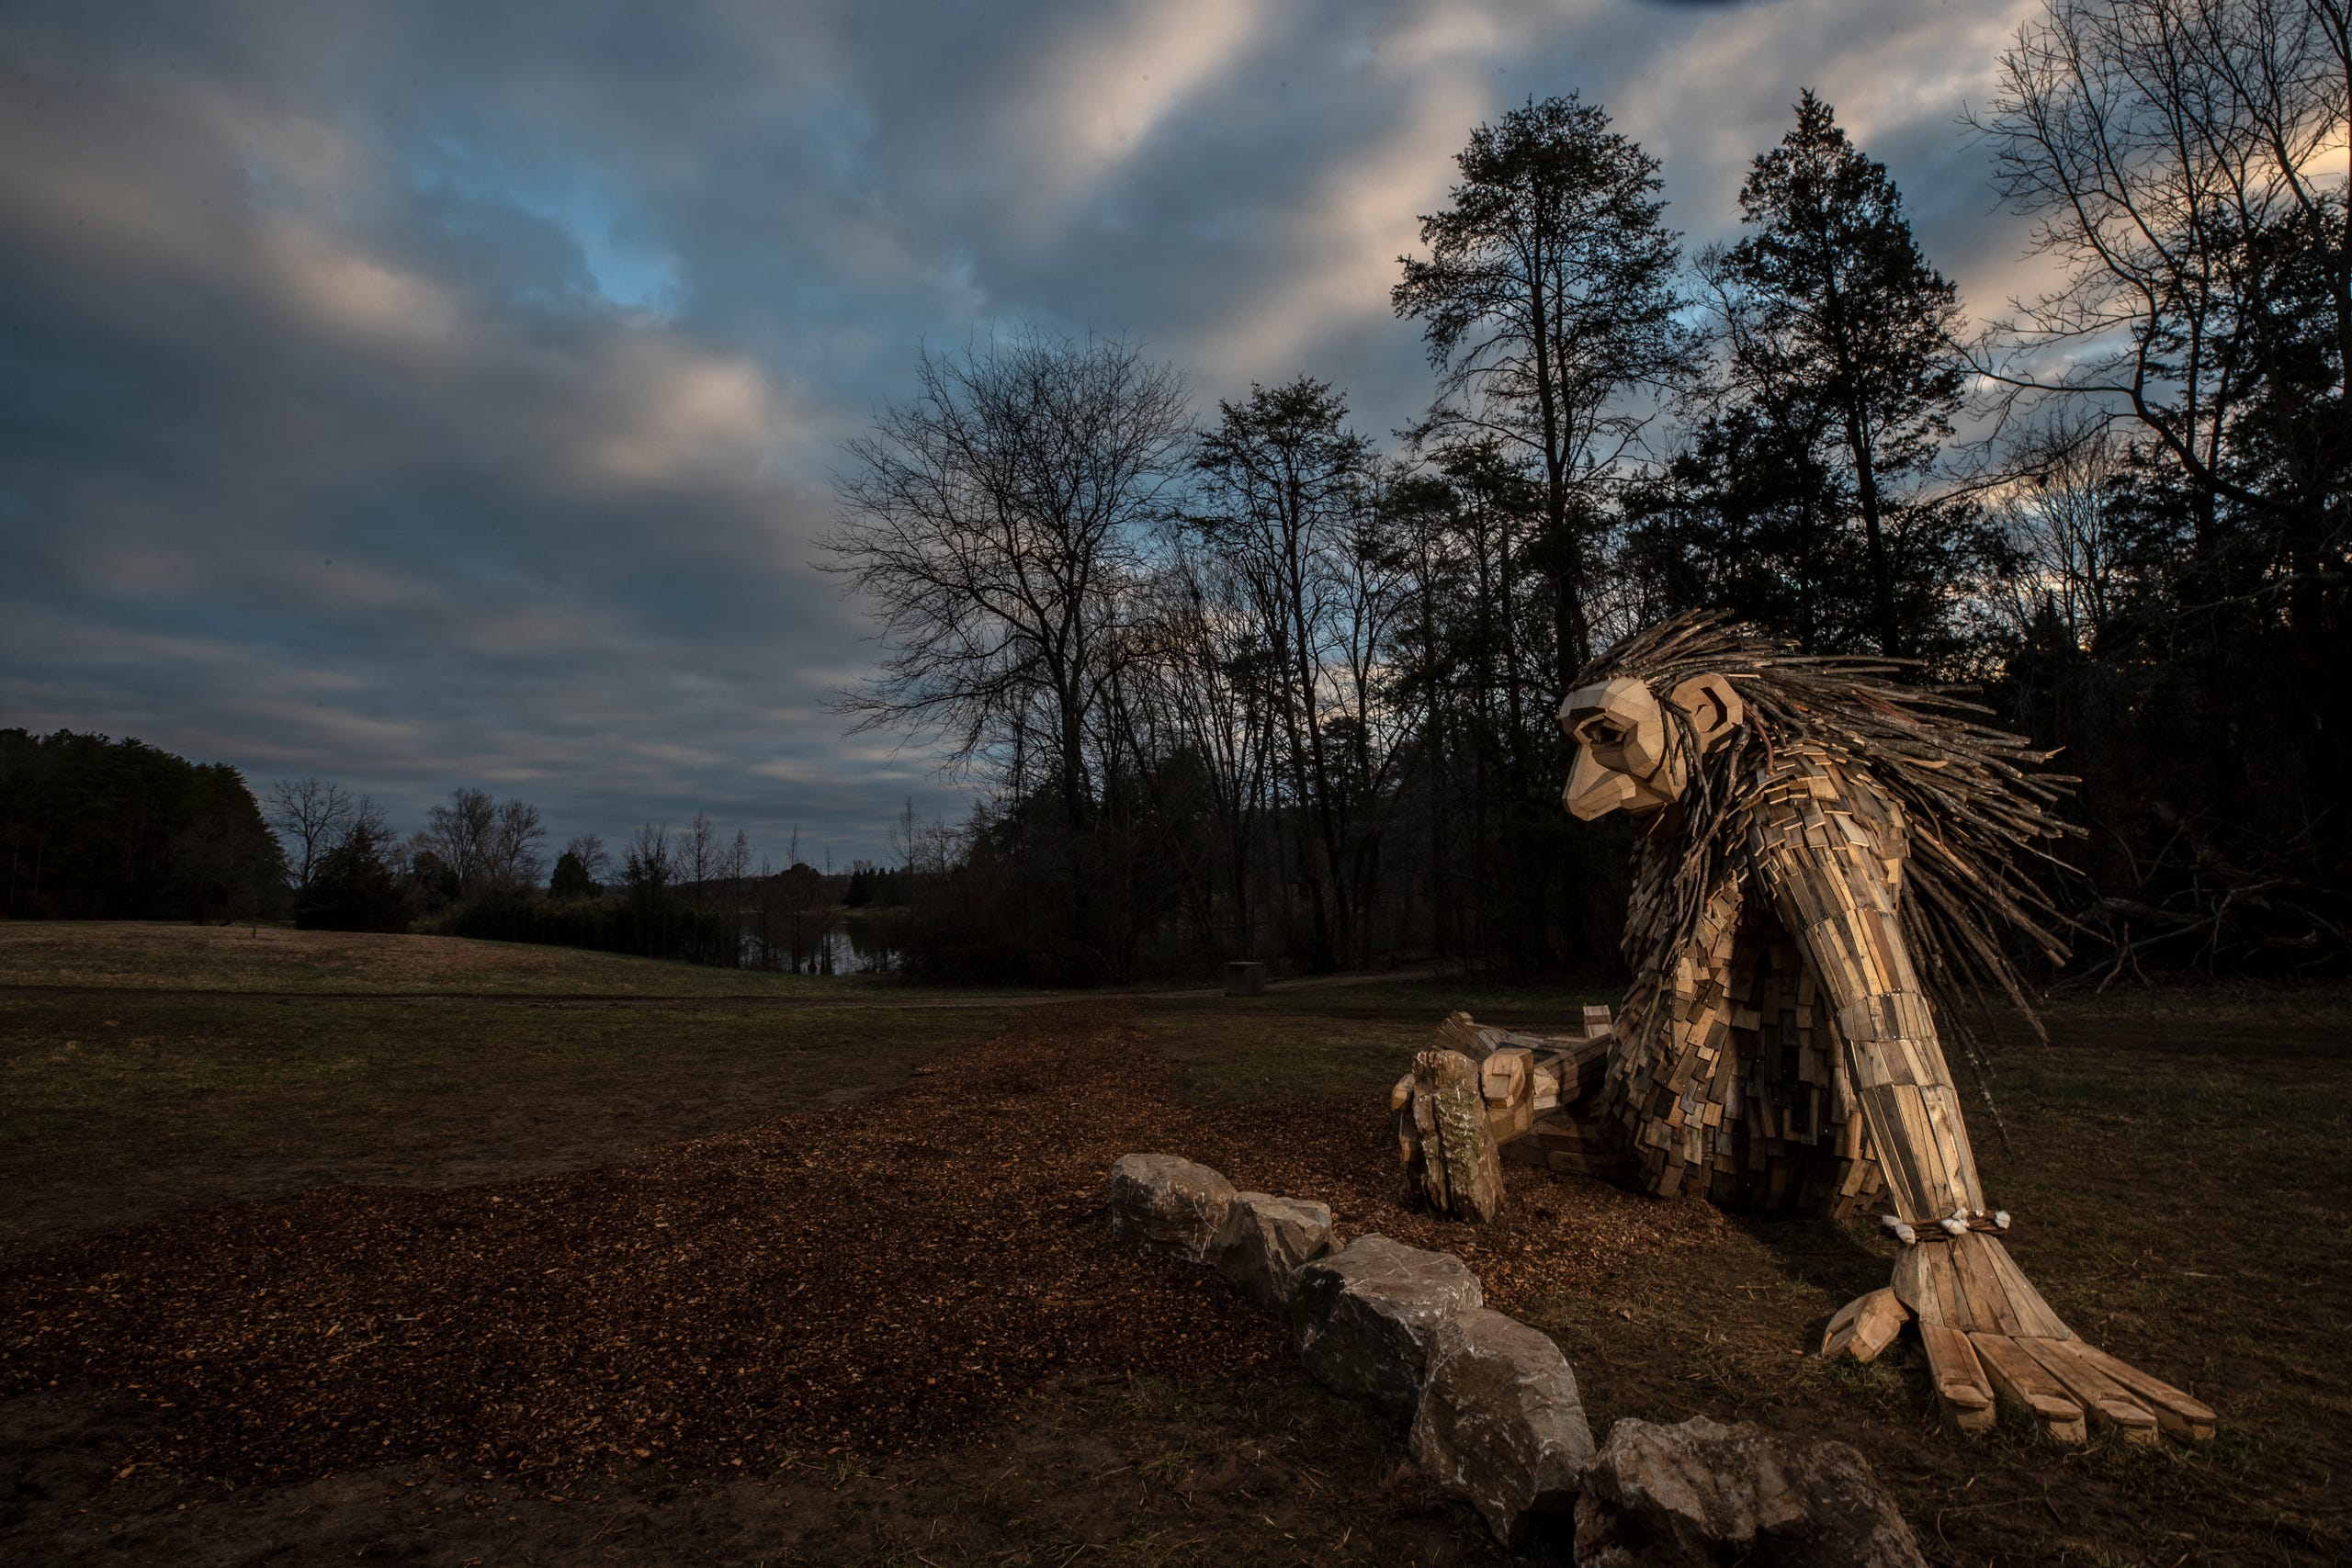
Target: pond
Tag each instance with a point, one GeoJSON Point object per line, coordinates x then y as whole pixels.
{"type": "Point", "coordinates": [826, 942]}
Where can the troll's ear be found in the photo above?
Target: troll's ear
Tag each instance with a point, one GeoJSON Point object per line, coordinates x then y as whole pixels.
{"type": "Point", "coordinates": [1714, 708]}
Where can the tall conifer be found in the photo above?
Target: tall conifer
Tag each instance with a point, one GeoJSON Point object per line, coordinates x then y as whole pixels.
{"type": "Point", "coordinates": [1839, 329]}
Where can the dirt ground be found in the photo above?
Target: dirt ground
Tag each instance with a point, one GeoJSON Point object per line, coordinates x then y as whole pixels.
{"type": "Point", "coordinates": [838, 1289]}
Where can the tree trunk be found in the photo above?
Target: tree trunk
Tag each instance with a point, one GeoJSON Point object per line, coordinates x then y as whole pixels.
{"type": "Point", "coordinates": [1890, 629]}
{"type": "Point", "coordinates": [1564, 552]}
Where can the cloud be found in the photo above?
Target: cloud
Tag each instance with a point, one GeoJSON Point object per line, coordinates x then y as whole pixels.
{"type": "Point", "coordinates": [350, 292]}
{"type": "Point", "coordinates": [1114, 79]}
{"type": "Point", "coordinates": [428, 395]}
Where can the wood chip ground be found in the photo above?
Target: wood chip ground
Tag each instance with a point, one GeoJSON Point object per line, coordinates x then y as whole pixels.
{"type": "Point", "coordinates": [874, 1280]}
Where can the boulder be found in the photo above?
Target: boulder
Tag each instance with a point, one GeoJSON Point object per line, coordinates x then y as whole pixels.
{"type": "Point", "coordinates": [1363, 1317]}
{"type": "Point", "coordinates": [1169, 1204]}
{"type": "Point", "coordinates": [1499, 1425]}
{"type": "Point", "coordinates": [1265, 1239]}
{"type": "Point", "coordinates": [1701, 1495]}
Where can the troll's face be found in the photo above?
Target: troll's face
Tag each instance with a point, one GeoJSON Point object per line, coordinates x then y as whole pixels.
{"type": "Point", "coordinates": [1631, 753]}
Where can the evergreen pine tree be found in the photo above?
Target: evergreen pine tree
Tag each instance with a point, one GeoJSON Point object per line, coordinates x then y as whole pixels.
{"type": "Point", "coordinates": [1839, 358]}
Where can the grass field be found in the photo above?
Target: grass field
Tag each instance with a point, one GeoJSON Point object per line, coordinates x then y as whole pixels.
{"type": "Point", "coordinates": [141, 956]}
{"type": "Point", "coordinates": [202, 1064]}
{"type": "Point", "coordinates": [2179, 1168]}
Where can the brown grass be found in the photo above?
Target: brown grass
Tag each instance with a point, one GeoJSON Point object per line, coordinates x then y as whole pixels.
{"type": "Point", "coordinates": [155, 957]}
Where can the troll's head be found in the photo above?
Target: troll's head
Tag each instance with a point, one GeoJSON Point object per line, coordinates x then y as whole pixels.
{"type": "Point", "coordinates": [1634, 752]}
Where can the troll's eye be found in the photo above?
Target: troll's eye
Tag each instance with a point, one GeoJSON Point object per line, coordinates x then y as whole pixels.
{"type": "Point", "coordinates": [1603, 734]}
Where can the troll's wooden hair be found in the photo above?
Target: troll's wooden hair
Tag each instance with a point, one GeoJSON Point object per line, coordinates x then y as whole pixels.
{"type": "Point", "coordinates": [1979, 822]}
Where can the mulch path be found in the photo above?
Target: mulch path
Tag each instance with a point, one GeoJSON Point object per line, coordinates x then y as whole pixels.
{"type": "Point", "coordinates": [880, 1279]}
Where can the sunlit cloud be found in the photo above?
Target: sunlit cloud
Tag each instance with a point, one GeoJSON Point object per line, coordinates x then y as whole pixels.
{"type": "Point", "coordinates": [1097, 98]}
{"type": "Point", "coordinates": [1366, 215]}
{"type": "Point", "coordinates": [677, 407]}
{"type": "Point", "coordinates": [350, 291]}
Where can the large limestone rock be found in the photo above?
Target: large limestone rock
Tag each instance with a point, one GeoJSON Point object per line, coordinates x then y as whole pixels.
{"type": "Point", "coordinates": [1169, 1204]}
{"type": "Point", "coordinates": [1265, 1239]}
{"type": "Point", "coordinates": [1701, 1495]}
{"type": "Point", "coordinates": [1363, 1315]}
{"type": "Point", "coordinates": [1499, 1423]}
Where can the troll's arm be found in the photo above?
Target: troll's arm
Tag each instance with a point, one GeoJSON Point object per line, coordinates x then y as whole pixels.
{"type": "Point", "coordinates": [1835, 889]}
{"type": "Point", "coordinates": [1833, 868]}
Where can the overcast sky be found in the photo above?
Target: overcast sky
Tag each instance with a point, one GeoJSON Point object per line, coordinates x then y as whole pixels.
{"type": "Point", "coordinates": [422, 395]}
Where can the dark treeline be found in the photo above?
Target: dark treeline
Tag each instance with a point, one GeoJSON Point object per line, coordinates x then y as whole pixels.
{"type": "Point", "coordinates": [1256, 685]}
{"type": "Point", "coordinates": [693, 895]}
{"type": "Point", "coordinates": [475, 869]}
{"type": "Point", "coordinates": [92, 829]}
{"type": "Point", "coordinates": [97, 829]}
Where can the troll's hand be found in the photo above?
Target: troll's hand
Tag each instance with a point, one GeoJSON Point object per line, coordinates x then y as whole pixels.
{"type": "Point", "coordinates": [1988, 1335]}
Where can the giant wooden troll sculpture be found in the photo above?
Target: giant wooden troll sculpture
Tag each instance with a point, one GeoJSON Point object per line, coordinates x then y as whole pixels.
{"type": "Point", "coordinates": [1823, 856]}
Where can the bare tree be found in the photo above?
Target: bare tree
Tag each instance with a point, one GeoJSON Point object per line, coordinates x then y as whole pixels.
{"type": "Point", "coordinates": [992, 525]}
{"type": "Point", "coordinates": [1287, 487]}
{"type": "Point", "coordinates": [650, 868]}
{"type": "Point", "coordinates": [367, 817]}
{"type": "Point", "coordinates": [593, 858]}
{"type": "Point", "coordinates": [487, 847]}
{"type": "Point", "coordinates": [312, 818]}
{"type": "Point", "coordinates": [1210, 693]}
{"type": "Point", "coordinates": [905, 836]}
{"type": "Point", "coordinates": [700, 857]}
{"type": "Point", "coordinates": [515, 863]}
{"type": "Point", "coordinates": [459, 834]}
{"type": "Point", "coordinates": [580, 869]}
{"type": "Point", "coordinates": [2185, 163]}
{"type": "Point", "coordinates": [2062, 523]}
{"type": "Point", "coordinates": [2156, 141]}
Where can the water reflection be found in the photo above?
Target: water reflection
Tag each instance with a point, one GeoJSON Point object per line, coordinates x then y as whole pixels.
{"type": "Point", "coordinates": [833, 945]}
